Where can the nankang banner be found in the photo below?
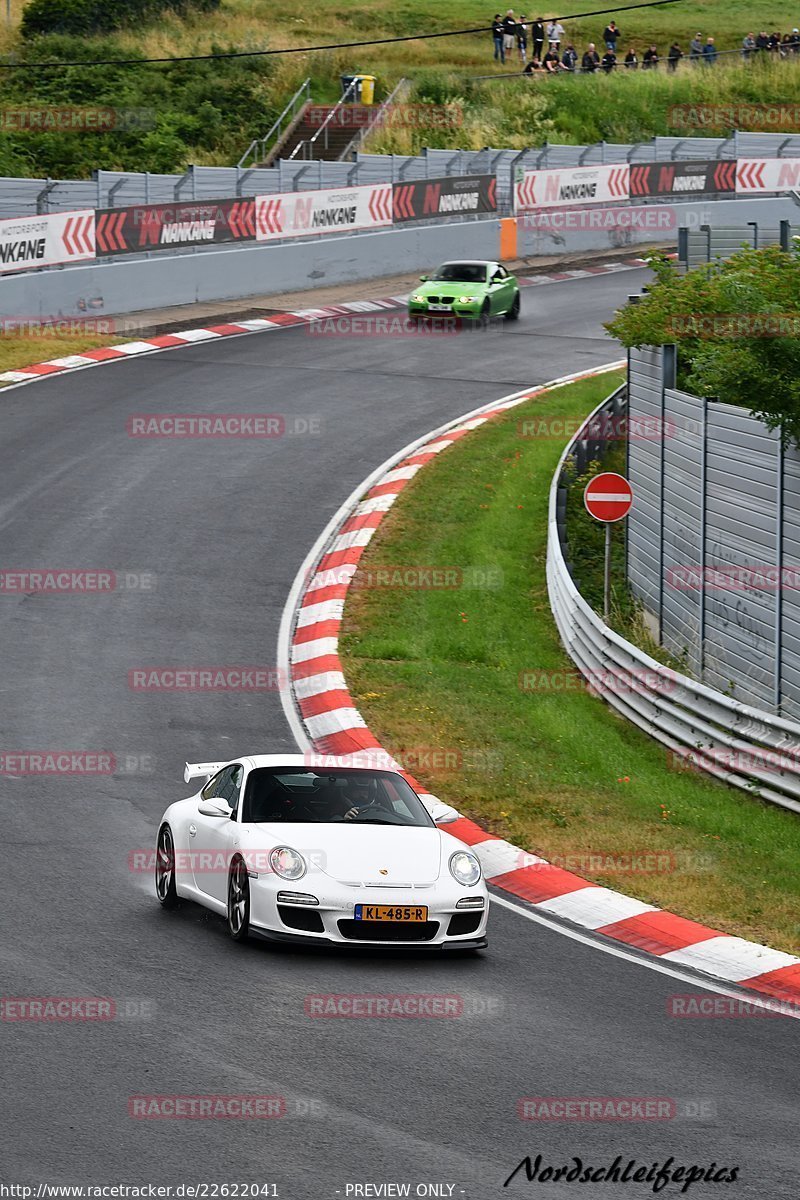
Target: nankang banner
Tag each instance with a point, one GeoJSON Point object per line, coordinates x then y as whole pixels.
{"type": "Point", "coordinates": [140, 227]}
{"type": "Point", "coordinates": [298, 214]}
{"type": "Point", "coordinates": [685, 177]}
{"type": "Point", "coordinates": [451, 195]}
{"type": "Point", "coordinates": [570, 185]}
{"type": "Point", "coordinates": [47, 240]}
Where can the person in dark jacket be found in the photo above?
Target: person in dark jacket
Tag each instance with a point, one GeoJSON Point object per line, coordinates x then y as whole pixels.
{"type": "Point", "coordinates": [497, 34]}
{"type": "Point", "coordinates": [551, 62]}
{"type": "Point", "coordinates": [522, 39]}
{"type": "Point", "coordinates": [650, 59]}
{"type": "Point", "coordinates": [591, 59]}
{"type": "Point", "coordinates": [709, 52]}
{"type": "Point", "coordinates": [674, 56]}
{"type": "Point", "coordinates": [608, 61]}
{"type": "Point", "coordinates": [509, 33]}
{"type": "Point", "coordinates": [569, 59]}
{"type": "Point", "coordinates": [537, 38]}
{"type": "Point", "coordinates": [632, 59]}
{"type": "Point", "coordinates": [610, 36]}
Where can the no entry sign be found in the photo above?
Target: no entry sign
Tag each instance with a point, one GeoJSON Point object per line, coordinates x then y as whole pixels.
{"type": "Point", "coordinates": [608, 497]}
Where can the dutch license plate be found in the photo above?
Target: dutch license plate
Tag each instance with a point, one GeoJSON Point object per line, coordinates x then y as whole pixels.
{"type": "Point", "coordinates": [391, 912]}
{"type": "Point", "coordinates": [440, 307]}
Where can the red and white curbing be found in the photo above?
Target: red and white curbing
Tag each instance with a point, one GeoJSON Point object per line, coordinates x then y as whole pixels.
{"type": "Point", "coordinates": [335, 727]}
{"type": "Point", "coordinates": [305, 316]}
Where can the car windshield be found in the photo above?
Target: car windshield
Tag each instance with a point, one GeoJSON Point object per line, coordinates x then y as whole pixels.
{"type": "Point", "coordinates": [321, 796]}
{"type": "Point", "coordinates": [461, 273]}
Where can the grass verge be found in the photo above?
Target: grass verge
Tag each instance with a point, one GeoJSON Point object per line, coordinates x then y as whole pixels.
{"type": "Point", "coordinates": [26, 352]}
{"type": "Point", "coordinates": [552, 769]}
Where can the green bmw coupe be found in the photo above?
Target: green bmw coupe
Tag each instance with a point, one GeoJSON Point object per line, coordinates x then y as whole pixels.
{"type": "Point", "coordinates": [477, 289]}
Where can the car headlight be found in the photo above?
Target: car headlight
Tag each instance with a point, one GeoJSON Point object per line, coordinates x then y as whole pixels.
{"type": "Point", "coordinates": [467, 299]}
{"type": "Point", "coordinates": [287, 863]}
{"type": "Point", "coordinates": [417, 299]}
{"type": "Point", "coordinates": [465, 868]}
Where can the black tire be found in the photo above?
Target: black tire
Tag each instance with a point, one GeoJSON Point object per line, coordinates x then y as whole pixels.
{"type": "Point", "coordinates": [238, 901]}
{"type": "Point", "coordinates": [513, 312]}
{"type": "Point", "coordinates": [486, 315]}
{"type": "Point", "coordinates": [165, 869]}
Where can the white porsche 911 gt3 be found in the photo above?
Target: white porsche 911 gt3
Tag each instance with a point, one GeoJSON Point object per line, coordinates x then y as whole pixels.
{"type": "Point", "coordinates": [293, 851]}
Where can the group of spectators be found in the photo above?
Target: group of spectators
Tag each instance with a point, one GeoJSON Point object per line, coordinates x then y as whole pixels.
{"type": "Point", "coordinates": [511, 33]}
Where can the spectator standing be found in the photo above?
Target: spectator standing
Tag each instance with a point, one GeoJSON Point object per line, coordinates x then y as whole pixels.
{"type": "Point", "coordinates": [537, 38]}
{"type": "Point", "coordinates": [762, 41]}
{"type": "Point", "coordinates": [555, 32]}
{"type": "Point", "coordinates": [748, 46]}
{"type": "Point", "coordinates": [497, 33]}
{"type": "Point", "coordinates": [795, 39]}
{"type": "Point", "coordinates": [709, 52]}
{"type": "Point", "coordinates": [631, 59]}
{"type": "Point", "coordinates": [610, 36]}
{"type": "Point", "coordinates": [608, 61]}
{"type": "Point", "coordinates": [696, 49]}
{"type": "Point", "coordinates": [591, 59]}
{"type": "Point", "coordinates": [509, 34]}
{"type": "Point", "coordinates": [674, 56]}
{"type": "Point", "coordinates": [650, 59]}
{"type": "Point", "coordinates": [522, 40]}
{"type": "Point", "coordinates": [569, 59]}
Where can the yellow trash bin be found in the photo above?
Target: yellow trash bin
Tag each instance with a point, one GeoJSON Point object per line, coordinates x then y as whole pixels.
{"type": "Point", "coordinates": [367, 89]}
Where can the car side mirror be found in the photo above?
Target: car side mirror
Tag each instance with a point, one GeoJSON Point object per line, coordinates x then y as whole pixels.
{"type": "Point", "coordinates": [423, 278]}
{"type": "Point", "coordinates": [443, 814]}
{"type": "Point", "coordinates": [215, 807]}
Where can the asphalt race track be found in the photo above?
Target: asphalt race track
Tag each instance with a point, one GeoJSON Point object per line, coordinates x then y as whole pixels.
{"type": "Point", "coordinates": [223, 526]}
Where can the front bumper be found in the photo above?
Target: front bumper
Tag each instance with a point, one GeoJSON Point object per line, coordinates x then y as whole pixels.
{"type": "Point", "coordinates": [467, 311]}
{"type": "Point", "coordinates": [331, 922]}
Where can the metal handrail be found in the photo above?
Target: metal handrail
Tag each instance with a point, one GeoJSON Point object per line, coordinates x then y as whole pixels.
{"type": "Point", "coordinates": [703, 728]}
{"type": "Point", "coordinates": [309, 143]}
{"type": "Point", "coordinates": [377, 118]}
{"type": "Point", "coordinates": [304, 92]}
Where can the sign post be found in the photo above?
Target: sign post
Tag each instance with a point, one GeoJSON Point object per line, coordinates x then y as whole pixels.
{"type": "Point", "coordinates": [608, 498]}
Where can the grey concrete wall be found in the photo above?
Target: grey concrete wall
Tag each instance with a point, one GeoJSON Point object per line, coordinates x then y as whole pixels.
{"type": "Point", "coordinates": [124, 286]}
{"type": "Point", "coordinates": [548, 232]}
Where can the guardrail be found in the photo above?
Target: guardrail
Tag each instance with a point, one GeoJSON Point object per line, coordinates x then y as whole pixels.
{"type": "Point", "coordinates": [705, 729]}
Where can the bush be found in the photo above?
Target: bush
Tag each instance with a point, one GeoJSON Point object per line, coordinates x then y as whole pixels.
{"type": "Point", "coordinates": [736, 326]}
{"type": "Point", "coordinates": [99, 16]}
